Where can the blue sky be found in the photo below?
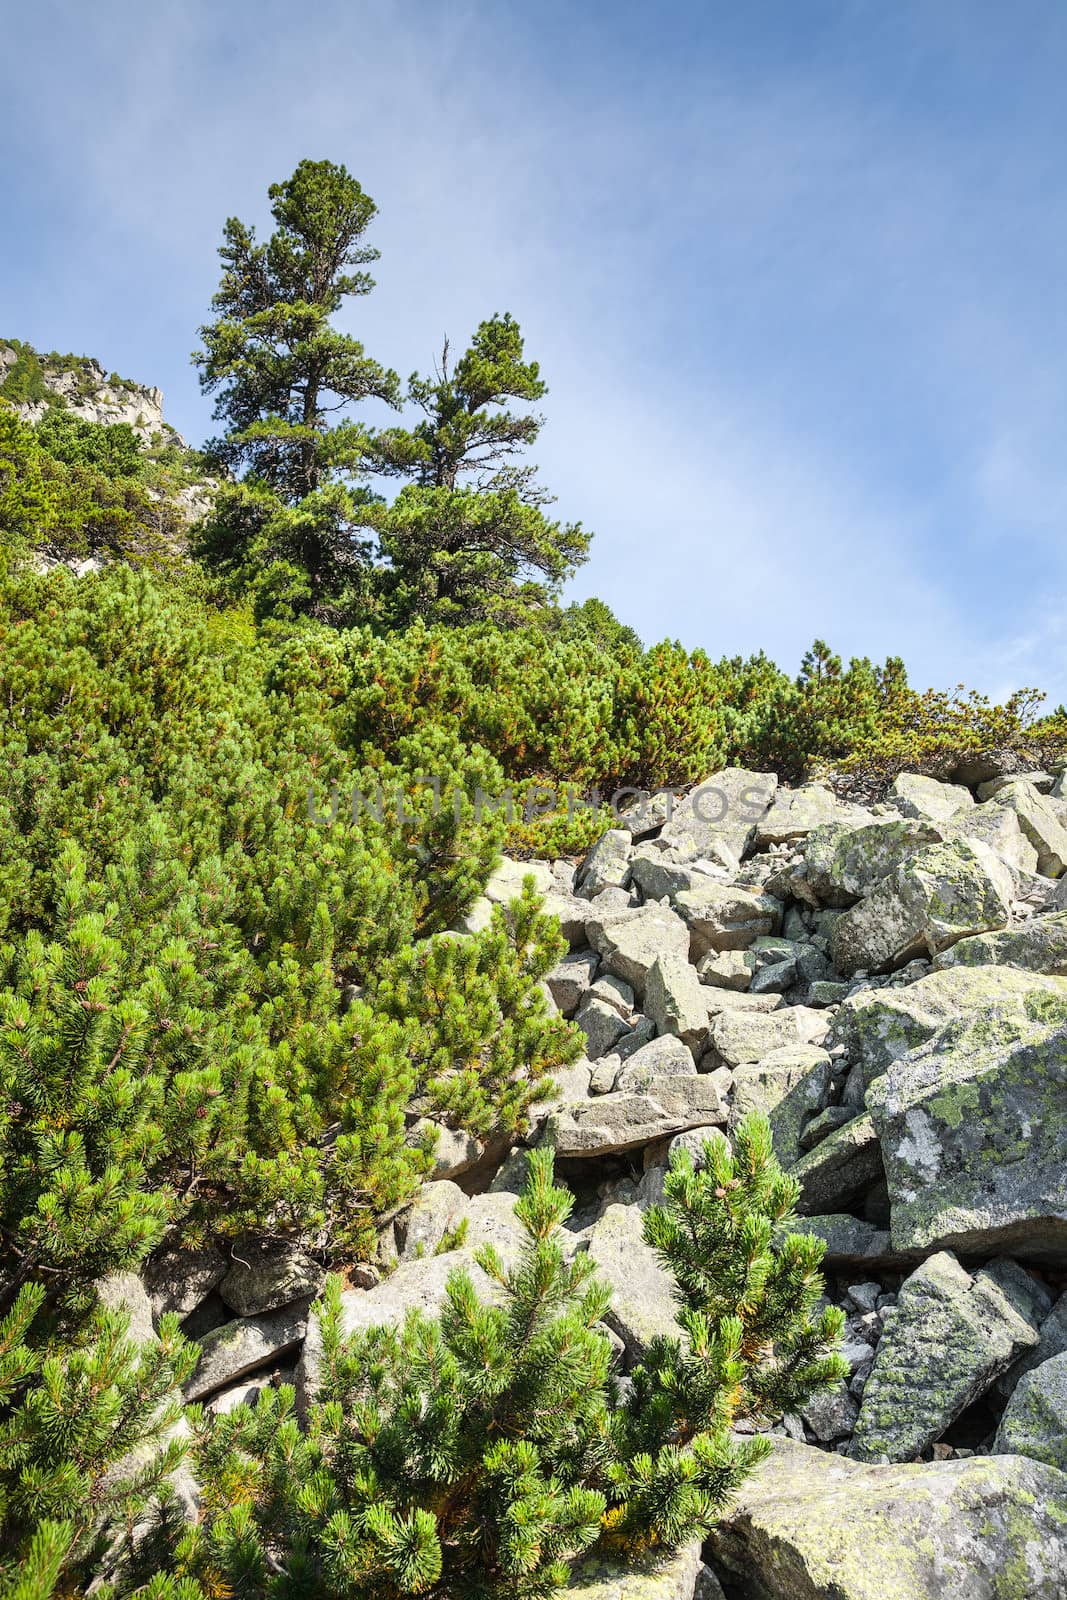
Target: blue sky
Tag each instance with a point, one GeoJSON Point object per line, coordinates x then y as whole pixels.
{"type": "Point", "coordinates": [794, 271]}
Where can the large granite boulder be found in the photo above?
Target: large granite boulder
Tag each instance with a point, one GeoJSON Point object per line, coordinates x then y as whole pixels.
{"type": "Point", "coordinates": [630, 942]}
{"type": "Point", "coordinates": [939, 895]}
{"type": "Point", "coordinates": [1039, 945]}
{"type": "Point", "coordinates": [1040, 821]}
{"type": "Point", "coordinates": [877, 1027]}
{"type": "Point", "coordinates": [1035, 1422]}
{"type": "Point", "coordinates": [928, 798]}
{"type": "Point", "coordinates": [842, 863]}
{"type": "Point", "coordinates": [642, 1300]}
{"type": "Point", "coordinates": [723, 811]}
{"type": "Point", "coordinates": [813, 1526]}
{"type": "Point", "coordinates": [948, 1338]}
{"type": "Point", "coordinates": [973, 1133]}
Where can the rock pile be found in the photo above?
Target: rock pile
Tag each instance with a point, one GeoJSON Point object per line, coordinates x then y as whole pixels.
{"type": "Point", "coordinates": [889, 985]}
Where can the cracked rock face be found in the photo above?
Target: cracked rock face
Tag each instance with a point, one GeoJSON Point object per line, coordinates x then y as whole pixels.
{"type": "Point", "coordinates": [813, 1526]}
{"type": "Point", "coordinates": [973, 1133]}
{"type": "Point", "coordinates": [949, 1336]}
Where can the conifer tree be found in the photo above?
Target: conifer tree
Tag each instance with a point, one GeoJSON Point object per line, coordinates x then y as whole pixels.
{"type": "Point", "coordinates": [472, 1456]}
{"type": "Point", "coordinates": [88, 1442]}
{"type": "Point", "coordinates": [458, 553]}
{"type": "Point", "coordinates": [755, 1344]}
{"type": "Point", "coordinates": [292, 530]}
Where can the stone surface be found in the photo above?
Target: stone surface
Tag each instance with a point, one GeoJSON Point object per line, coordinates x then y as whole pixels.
{"type": "Point", "coordinates": [723, 916]}
{"type": "Point", "coordinates": [794, 813]}
{"type": "Point", "coordinates": [877, 1027]}
{"type": "Point", "coordinates": [723, 810]}
{"type": "Point", "coordinates": [661, 1057]}
{"type": "Point", "coordinates": [727, 969]}
{"type": "Point", "coordinates": [262, 1277]}
{"type": "Point", "coordinates": [810, 1525]}
{"type": "Point", "coordinates": [1035, 1422]}
{"type": "Point", "coordinates": [841, 863]}
{"type": "Point", "coordinates": [124, 1291]}
{"type": "Point", "coordinates": [946, 1340]}
{"type": "Point", "coordinates": [454, 1150]}
{"type": "Point", "coordinates": [601, 1024]}
{"type": "Point", "coordinates": [1039, 945]}
{"type": "Point", "coordinates": [642, 1302]}
{"type": "Point", "coordinates": [414, 1286]}
{"type": "Point", "coordinates": [840, 1170]}
{"type": "Point", "coordinates": [227, 1353]}
{"type": "Point", "coordinates": [178, 1280]}
{"type": "Point", "coordinates": [851, 1242]}
{"type": "Point", "coordinates": [927, 798]}
{"type": "Point", "coordinates": [435, 1212]}
{"type": "Point", "coordinates": [831, 1414]}
{"type": "Point", "coordinates": [787, 1086]}
{"type": "Point", "coordinates": [607, 865]}
{"type": "Point", "coordinates": [628, 1121]}
{"type": "Point", "coordinates": [737, 1036]}
{"type": "Point", "coordinates": [973, 1131]}
{"type": "Point", "coordinates": [632, 941]}
{"type": "Point", "coordinates": [1040, 822]}
{"type": "Point", "coordinates": [571, 978]}
{"type": "Point", "coordinates": [939, 895]}
{"type": "Point", "coordinates": [674, 1577]}
{"type": "Point", "coordinates": [677, 1002]}
{"type": "Point", "coordinates": [506, 882]}
{"type": "Point", "coordinates": [660, 878]}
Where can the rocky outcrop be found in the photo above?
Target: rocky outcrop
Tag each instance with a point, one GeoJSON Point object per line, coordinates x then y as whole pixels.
{"type": "Point", "coordinates": [948, 1337]}
{"type": "Point", "coordinates": [812, 1526]}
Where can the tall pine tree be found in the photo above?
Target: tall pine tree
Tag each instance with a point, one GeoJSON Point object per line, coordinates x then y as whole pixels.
{"type": "Point", "coordinates": [467, 538]}
{"type": "Point", "coordinates": [291, 530]}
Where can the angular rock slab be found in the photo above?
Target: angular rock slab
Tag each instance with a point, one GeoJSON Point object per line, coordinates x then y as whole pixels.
{"type": "Point", "coordinates": [928, 798]}
{"type": "Point", "coordinates": [674, 1577]}
{"type": "Point", "coordinates": [642, 1302]}
{"type": "Point", "coordinates": [630, 942]}
{"type": "Point", "coordinates": [880, 1026]}
{"type": "Point", "coordinates": [227, 1353]}
{"type": "Point", "coordinates": [948, 1338]}
{"type": "Point", "coordinates": [628, 1121]}
{"type": "Point", "coordinates": [723, 916]}
{"type": "Point", "coordinates": [842, 863]}
{"type": "Point", "coordinates": [263, 1276]}
{"type": "Point", "coordinates": [677, 1002]}
{"type": "Point", "coordinates": [943, 893]}
{"type": "Point", "coordinates": [724, 810]}
{"type": "Point", "coordinates": [787, 1086]}
{"type": "Point", "coordinates": [1035, 1422]}
{"type": "Point", "coordinates": [973, 1133]}
{"type": "Point", "coordinates": [1039, 945]}
{"type": "Point", "coordinates": [809, 1525]}
{"type": "Point", "coordinates": [840, 1170]}
{"type": "Point", "coordinates": [794, 813]}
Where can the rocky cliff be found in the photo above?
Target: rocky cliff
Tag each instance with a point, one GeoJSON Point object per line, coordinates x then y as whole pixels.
{"type": "Point", "coordinates": [83, 387]}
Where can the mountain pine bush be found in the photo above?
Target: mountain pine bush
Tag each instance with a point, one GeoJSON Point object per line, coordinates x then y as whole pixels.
{"type": "Point", "coordinates": [474, 1455]}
